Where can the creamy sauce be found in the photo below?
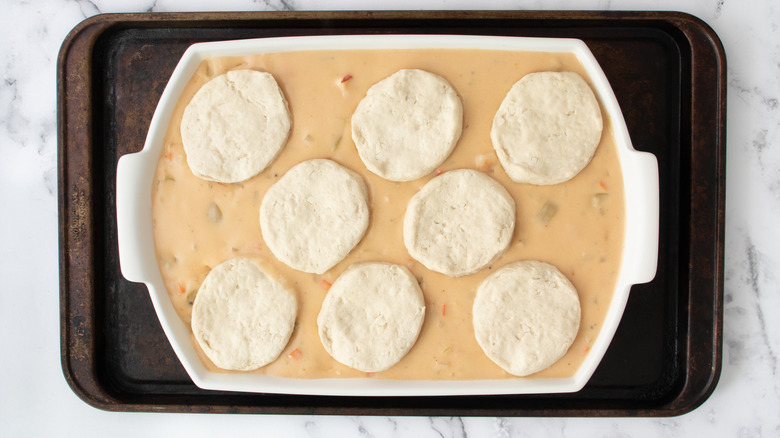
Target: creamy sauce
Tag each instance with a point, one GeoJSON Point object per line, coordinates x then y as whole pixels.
{"type": "Point", "coordinates": [577, 226]}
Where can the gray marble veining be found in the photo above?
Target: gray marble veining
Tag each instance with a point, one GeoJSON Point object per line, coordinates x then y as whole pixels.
{"type": "Point", "coordinates": [745, 403]}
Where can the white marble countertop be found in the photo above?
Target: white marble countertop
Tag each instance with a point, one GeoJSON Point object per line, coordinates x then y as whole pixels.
{"type": "Point", "coordinates": [35, 400]}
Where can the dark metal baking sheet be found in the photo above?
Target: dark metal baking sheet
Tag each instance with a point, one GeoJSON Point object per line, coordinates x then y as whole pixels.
{"type": "Point", "coordinates": [668, 72]}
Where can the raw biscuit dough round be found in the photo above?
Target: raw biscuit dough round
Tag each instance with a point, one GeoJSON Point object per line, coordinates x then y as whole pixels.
{"type": "Point", "coordinates": [314, 215]}
{"type": "Point", "coordinates": [459, 222]}
{"type": "Point", "coordinates": [547, 128]}
{"type": "Point", "coordinates": [371, 316]}
{"type": "Point", "coordinates": [241, 317]}
{"type": "Point", "coordinates": [407, 125]}
{"type": "Point", "coordinates": [234, 126]}
{"type": "Point", "coordinates": [526, 316]}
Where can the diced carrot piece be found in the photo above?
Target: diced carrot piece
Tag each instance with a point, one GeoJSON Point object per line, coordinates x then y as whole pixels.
{"type": "Point", "coordinates": [182, 289]}
{"type": "Point", "coordinates": [444, 310]}
{"type": "Point", "coordinates": [603, 186]}
{"type": "Point", "coordinates": [295, 354]}
{"type": "Point", "coordinates": [325, 283]}
{"type": "Point", "coordinates": [346, 78]}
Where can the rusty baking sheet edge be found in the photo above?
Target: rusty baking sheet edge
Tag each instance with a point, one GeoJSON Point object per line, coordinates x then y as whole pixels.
{"type": "Point", "coordinates": [77, 254]}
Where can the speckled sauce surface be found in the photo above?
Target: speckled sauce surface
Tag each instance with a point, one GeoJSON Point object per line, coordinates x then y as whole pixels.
{"type": "Point", "coordinates": [576, 225]}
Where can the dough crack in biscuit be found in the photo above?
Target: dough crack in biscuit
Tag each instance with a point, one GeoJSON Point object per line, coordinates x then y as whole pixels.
{"type": "Point", "coordinates": [547, 128]}
{"type": "Point", "coordinates": [459, 222]}
{"type": "Point", "coordinates": [407, 125]}
{"type": "Point", "coordinates": [235, 126]}
{"type": "Point", "coordinates": [241, 317]}
{"type": "Point", "coordinates": [371, 316]}
{"type": "Point", "coordinates": [314, 215]}
{"type": "Point", "coordinates": [526, 316]}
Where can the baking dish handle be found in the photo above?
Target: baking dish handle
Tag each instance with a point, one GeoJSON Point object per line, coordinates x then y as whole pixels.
{"type": "Point", "coordinates": [134, 217]}
{"type": "Point", "coordinates": [643, 250]}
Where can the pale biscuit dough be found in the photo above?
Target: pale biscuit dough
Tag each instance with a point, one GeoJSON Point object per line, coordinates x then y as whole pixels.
{"type": "Point", "coordinates": [526, 316]}
{"type": "Point", "coordinates": [547, 128]}
{"type": "Point", "coordinates": [371, 316]}
{"type": "Point", "coordinates": [241, 317]}
{"type": "Point", "coordinates": [234, 126]}
{"type": "Point", "coordinates": [459, 222]}
{"type": "Point", "coordinates": [407, 125]}
{"type": "Point", "coordinates": [314, 215]}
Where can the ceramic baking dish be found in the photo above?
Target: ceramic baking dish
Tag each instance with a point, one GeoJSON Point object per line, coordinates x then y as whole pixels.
{"type": "Point", "coordinates": [136, 247]}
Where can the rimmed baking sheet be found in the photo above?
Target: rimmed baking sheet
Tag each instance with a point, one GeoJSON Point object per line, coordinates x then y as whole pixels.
{"type": "Point", "coordinates": [665, 357]}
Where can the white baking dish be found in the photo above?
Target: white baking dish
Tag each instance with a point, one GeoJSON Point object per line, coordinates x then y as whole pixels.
{"type": "Point", "coordinates": [136, 247]}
